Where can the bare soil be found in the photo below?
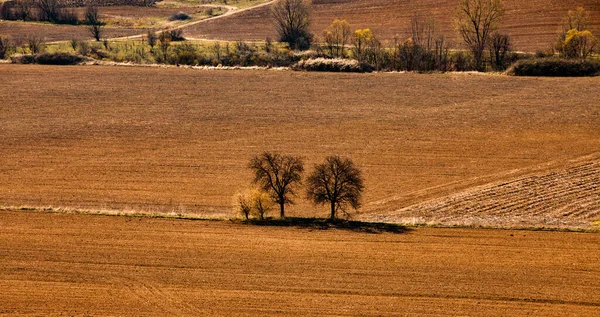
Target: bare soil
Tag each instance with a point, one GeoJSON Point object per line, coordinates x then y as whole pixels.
{"type": "Point", "coordinates": [57, 264]}
{"type": "Point", "coordinates": [175, 139]}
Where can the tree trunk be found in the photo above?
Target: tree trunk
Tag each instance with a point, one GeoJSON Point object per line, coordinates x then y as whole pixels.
{"type": "Point", "coordinates": [281, 210]}
{"type": "Point", "coordinates": [332, 217]}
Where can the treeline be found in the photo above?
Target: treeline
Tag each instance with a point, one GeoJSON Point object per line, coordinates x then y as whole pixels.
{"type": "Point", "coordinates": [53, 11]}
{"type": "Point", "coordinates": [477, 23]}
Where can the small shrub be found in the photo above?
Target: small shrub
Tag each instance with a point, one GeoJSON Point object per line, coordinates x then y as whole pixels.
{"type": "Point", "coordinates": [99, 53]}
{"type": "Point", "coordinates": [181, 16]}
{"type": "Point", "coordinates": [175, 35]}
{"type": "Point", "coordinates": [84, 48]}
{"type": "Point", "coordinates": [555, 67]}
{"type": "Point", "coordinates": [185, 54]}
{"type": "Point", "coordinates": [74, 44]}
{"type": "Point", "coordinates": [331, 65]}
{"type": "Point", "coordinates": [23, 59]}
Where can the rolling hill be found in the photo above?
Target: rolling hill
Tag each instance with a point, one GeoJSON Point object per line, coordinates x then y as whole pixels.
{"type": "Point", "coordinates": [532, 24]}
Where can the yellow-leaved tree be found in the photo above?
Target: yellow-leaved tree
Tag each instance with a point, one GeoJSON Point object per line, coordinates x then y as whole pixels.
{"type": "Point", "coordinates": [575, 40]}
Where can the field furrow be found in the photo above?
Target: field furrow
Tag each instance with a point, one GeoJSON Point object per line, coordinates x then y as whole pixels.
{"type": "Point", "coordinates": [569, 196]}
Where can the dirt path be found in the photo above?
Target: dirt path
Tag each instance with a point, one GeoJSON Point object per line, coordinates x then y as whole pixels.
{"type": "Point", "coordinates": [231, 10]}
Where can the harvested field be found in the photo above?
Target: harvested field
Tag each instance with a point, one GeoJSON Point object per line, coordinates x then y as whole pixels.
{"type": "Point", "coordinates": [20, 31]}
{"type": "Point", "coordinates": [533, 25]}
{"type": "Point", "coordinates": [179, 140]}
{"type": "Point", "coordinates": [93, 265]}
{"type": "Point", "coordinates": [568, 197]}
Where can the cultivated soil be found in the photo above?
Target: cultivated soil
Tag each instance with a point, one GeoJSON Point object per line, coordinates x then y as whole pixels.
{"type": "Point", "coordinates": [59, 264]}
{"type": "Point", "coordinates": [532, 25]}
{"type": "Point", "coordinates": [179, 140]}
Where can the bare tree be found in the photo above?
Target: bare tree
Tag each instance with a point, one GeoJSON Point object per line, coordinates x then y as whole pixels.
{"type": "Point", "coordinates": [337, 182]}
{"type": "Point", "coordinates": [277, 174]}
{"type": "Point", "coordinates": [35, 44]}
{"type": "Point", "coordinates": [49, 10]}
{"type": "Point", "coordinates": [292, 20]}
{"type": "Point", "coordinates": [243, 205]}
{"type": "Point", "coordinates": [5, 47]}
{"type": "Point", "coordinates": [477, 20]}
{"type": "Point", "coordinates": [92, 19]}
{"type": "Point", "coordinates": [499, 47]}
{"type": "Point", "coordinates": [422, 31]}
{"type": "Point", "coordinates": [336, 37]}
{"type": "Point", "coordinates": [577, 19]}
{"type": "Point", "coordinates": [165, 44]}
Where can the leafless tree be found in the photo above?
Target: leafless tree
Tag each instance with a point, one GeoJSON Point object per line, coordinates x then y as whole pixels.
{"type": "Point", "coordinates": [278, 175]}
{"type": "Point", "coordinates": [49, 10]}
{"type": "Point", "coordinates": [499, 47]}
{"type": "Point", "coordinates": [477, 20]}
{"type": "Point", "coordinates": [92, 19]}
{"type": "Point", "coordinates": [5, 46]}
{"type": "Point", "coordinates": [292, 20]}
{"type": "Point", "coordinates": [337, 182]}
{"type": "Point", "coordinates": [35, 44]}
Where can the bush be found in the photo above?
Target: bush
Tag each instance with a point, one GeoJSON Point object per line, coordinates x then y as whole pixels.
{"type": "Point", "coordinates": [181, 16]}
{"type": "Point", "coordinates": [49, 59]}
{"type": "Point", "coordinates": [176, 35]}
{"type": "Point", "coordinates": [5, 47]}
{"type": "Point", "coordinates": [332, 65]}
{"type": "Point", "coordinates": [555, 67]}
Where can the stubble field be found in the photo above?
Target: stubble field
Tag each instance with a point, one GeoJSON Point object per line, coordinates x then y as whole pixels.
{"type": "Point", "coordinates": [59, 264]}
{"type": "Point", "coordinates": [178, 140]}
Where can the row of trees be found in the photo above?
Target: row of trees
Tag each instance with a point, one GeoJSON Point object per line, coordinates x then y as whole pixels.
{"type": "Point", "coordinates": [336, 182]}
{"type": "Point", "coordinates": [477, 23]}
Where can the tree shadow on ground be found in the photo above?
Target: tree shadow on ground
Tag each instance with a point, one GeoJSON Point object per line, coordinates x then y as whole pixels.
{"type": "Point", "coordinates": [326, 224]}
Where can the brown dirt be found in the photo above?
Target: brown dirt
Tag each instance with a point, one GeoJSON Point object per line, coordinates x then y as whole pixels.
{"type": "Point", "coordinates": [20, 31]}
{"type": "Point", "coordinates": [179, 139]}
{"type": "Point", "coordinates": [57, 264]}
{"type": "Point", "coordinates": [533, 25]}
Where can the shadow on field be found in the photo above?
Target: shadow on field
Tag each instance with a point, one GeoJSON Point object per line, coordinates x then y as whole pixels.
{"type": "Point", "coordinates": [326, 224]}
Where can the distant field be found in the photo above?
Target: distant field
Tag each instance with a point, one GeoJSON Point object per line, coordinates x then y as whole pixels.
{"type": "Point", "coordinates": [123, 20]}
{"type": "Point", "coordinates": [533, 25]}
{"type": "Point", "coordinates": [56, 264]}
{"type": "Point", "coordinates": [179, 140]}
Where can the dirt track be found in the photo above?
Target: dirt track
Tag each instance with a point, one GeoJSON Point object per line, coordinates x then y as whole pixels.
{"type": "Point", "coordinates": [55, 264]}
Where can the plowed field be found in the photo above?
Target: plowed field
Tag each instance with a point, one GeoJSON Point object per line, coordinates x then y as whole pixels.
{"type": "Point", "coordinates": [179, 139]}
{"type": "Point", "coordinates": [567, 197]}
{"type": "Point", "coordinates": [57, 264]}
{"type": "Point", "coordinates": [533, 25]}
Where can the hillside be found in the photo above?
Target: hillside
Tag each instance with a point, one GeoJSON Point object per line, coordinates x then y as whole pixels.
{"type": "Point", "coordinates": [532, 24]}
